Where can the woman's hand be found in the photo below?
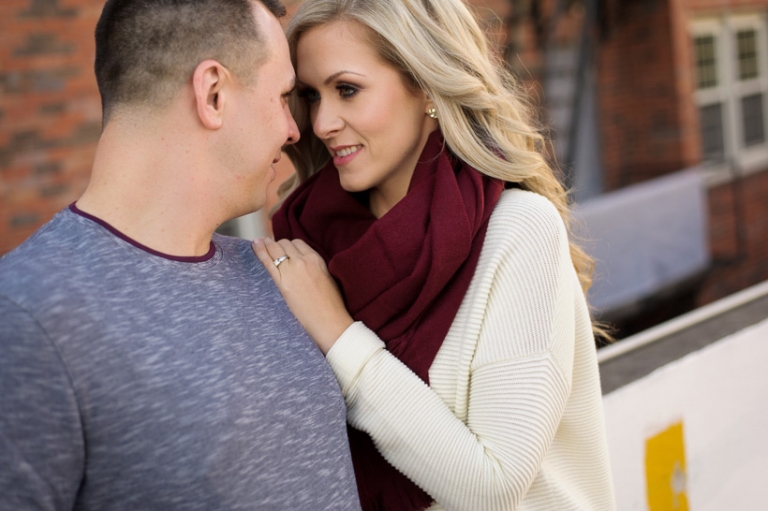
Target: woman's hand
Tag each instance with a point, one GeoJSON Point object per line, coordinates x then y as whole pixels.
{"type": "Point", "coordinates": [308, 288]}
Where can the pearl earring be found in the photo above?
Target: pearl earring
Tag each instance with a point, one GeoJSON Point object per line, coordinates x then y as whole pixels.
{"type": "Point", "coordinates": [432, 113]}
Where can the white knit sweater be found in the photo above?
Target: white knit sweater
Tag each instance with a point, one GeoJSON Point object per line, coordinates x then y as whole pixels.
{"type": "Point", "coordinates": [513, 415]}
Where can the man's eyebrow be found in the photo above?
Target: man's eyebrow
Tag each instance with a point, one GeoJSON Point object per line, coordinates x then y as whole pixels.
{"type": "Point", "coordinates": [336, 75]}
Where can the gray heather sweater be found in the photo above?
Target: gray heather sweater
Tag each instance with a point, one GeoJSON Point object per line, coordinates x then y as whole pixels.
{"type": "Point", "coordinates": [131, 381]}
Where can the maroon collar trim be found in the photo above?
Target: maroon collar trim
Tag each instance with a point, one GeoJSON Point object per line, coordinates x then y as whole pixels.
{"type": "Point", "coordinates": [189, 259]}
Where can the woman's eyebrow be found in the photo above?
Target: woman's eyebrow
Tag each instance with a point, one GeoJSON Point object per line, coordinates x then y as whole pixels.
{"type": "Point", "coordinates": [336, 75]}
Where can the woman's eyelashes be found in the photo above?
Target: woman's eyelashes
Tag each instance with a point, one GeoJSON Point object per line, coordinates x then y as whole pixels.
{"type": "Point", "coordinates": [345, 91]}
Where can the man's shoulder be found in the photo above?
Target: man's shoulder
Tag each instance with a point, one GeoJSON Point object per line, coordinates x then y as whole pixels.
{"type": "Point", "coordinates": [43, 259]}
{"type": "Point", "coordinates": [238, 245]}
{"type": "Point", "coordinates": [33, 249]}
{"type": "Point", "coordinates": [237, 252]}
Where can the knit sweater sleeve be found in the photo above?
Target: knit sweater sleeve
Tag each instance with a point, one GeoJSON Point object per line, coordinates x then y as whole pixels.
{"type": "Point", "coordinates": [517, 320]}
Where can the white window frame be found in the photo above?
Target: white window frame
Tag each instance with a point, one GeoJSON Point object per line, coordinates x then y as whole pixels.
{"type": "Point", "coordinates": [730, 90]}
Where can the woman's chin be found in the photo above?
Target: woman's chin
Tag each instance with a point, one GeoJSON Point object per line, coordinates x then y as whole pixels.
{"type": "Point", "coordinates": [353, 187]}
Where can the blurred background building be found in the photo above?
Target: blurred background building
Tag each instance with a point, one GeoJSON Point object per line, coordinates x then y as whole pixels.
{"type": "Point", "coordinates": [656, 109]}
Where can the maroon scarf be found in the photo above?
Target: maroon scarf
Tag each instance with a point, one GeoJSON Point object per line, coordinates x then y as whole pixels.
{"type": "Point", "coordinates": [403, 275]}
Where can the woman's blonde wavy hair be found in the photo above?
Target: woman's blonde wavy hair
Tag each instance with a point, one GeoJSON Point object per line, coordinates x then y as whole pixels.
{"type": "Point", "coordinates": [439, 47]}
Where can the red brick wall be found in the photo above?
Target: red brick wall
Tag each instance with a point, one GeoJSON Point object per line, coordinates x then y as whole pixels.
{"type": "Point", "coordinates": [50, 116]}
{"type": "Point", "coordinates": [640, 98]}
{"type": "Point", "coordinates": [738, 237]}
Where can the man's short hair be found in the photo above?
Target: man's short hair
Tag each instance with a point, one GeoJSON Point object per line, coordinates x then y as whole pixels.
{"type": "Point", "coordinates": [146, 50]}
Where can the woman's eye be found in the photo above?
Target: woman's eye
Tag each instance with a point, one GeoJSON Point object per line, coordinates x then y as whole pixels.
{"type": "Point", "coordinates": [310, 95]}
{"type": "Point", "coordinates": [346, 91]}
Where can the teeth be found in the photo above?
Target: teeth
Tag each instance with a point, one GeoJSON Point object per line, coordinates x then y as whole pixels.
{"type": "Point", "coordinates": [348, 150]}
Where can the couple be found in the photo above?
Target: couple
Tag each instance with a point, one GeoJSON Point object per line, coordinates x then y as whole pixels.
{"type": "Point", "coordinates": [148, 363]}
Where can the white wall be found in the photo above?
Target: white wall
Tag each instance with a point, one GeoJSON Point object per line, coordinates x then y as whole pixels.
{"type": "Point", "coordinates": [720, 394]}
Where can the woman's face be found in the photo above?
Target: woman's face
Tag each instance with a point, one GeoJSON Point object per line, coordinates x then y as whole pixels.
{"type": "Point", "coordinates": [374, 126]}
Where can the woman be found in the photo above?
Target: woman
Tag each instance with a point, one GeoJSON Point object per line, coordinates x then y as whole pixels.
{"type": "Point", "coordinates": [454, 319]}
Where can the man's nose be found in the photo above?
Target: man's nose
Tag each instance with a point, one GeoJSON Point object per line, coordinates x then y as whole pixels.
{"type": "Point", "coordinates": [293, 129]}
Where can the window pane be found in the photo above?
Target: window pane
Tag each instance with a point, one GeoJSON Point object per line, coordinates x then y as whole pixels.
{"type": "Point", "coordinates": [746, 42]}
{"type": "Point", "coordinates": [752, 113]}
{"type": "Point", "coordinates": [706, 65]}
{"type": "Point", "coordinates": [712, 131]}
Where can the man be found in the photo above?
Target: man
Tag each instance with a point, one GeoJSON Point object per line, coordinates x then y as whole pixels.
{"type": "Point", "coordinates": [145, 362]}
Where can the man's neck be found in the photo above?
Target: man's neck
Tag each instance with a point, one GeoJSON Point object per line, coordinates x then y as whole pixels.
{"type": "Point", "coordinates": [157, 226]}
{"type": "Point", "coordinates": [145, 186]}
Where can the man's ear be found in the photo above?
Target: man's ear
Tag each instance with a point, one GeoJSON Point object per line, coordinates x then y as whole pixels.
{"type": "Point", "coordinates": [209, 82]}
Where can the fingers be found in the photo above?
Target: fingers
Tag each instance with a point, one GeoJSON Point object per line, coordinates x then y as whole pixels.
{"type": "Point", "coordinates": [273, 249]}
{"type": "Point", "coordinates": [288, 248]}
{"type": "Point", "coordinates": [302, 247]}
{"type": "Point", "coordinates": [269, 250]}
{"type": "Point", "coordinates": [260, 249]}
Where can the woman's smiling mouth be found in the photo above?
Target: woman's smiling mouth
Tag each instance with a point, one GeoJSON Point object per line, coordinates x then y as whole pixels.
{"type": "Point", "coordinates": [344, 155]}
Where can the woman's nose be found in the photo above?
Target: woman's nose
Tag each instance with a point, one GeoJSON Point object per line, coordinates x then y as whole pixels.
{"type": "Point", "coordinates": [326, 122]}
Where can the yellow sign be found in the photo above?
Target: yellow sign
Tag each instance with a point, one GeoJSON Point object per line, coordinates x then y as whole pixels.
{"type": "Point", "coordinates": [665, 471]}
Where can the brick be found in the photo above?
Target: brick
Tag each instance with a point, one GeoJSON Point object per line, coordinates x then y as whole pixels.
{"type": "Point", "coordinates": [43, 44]}
{"type": "Point", "coordinates": [5, 157]}
{"type": "Point", "coordinates": [49, 80]}
{"type": "Point", "coordinates": [24, 220]}
{"type": "Point", "coordinates": [46, 9]}
{"type": "Point", "coordinates": [52, 108]}
{"type": "Point", "coordinates": [54, 190]}
{"type": "Point", "coordinates": [47, 168]}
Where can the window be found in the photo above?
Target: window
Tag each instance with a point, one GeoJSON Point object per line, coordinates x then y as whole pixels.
{"type": "Point", "coordinates": [711, 120]}
{"type": "Point", "coordinates": [752, 113]}
{"type": "Point", "coordinates": [747, 54]}
{"type": "Point", "coordinates": [705, 61]}
{"type": "Point", "coordinates": [730, 60]}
